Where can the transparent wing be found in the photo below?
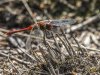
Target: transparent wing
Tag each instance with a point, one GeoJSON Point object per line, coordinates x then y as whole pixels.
{"type": "Point", "coordinates": [60, 22]}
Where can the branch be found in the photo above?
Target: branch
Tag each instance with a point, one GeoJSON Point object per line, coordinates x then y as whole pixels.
{"type": "Point", "coordinates": [18, 60]}
{"type": "Point", "coordinates": [87, 22]}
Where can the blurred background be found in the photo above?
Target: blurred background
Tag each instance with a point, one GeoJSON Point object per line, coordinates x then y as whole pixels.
{"type": "Point", "coordinates": [14, 14]}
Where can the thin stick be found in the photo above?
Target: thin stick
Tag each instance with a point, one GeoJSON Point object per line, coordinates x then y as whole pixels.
{"type": "Point", "coordinates": [16, 59]}
{"type": "Point", "coordinates": [87, 22]}
{"type": "Point", "coordinates": [29, 10]}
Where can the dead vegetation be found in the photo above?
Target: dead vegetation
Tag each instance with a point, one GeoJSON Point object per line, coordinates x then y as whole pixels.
{"type": "Point", "coordinates": [74, 51]}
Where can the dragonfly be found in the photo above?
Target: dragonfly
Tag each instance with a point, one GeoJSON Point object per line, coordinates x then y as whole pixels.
{"type": "Point", "coordinates": [48, 24]}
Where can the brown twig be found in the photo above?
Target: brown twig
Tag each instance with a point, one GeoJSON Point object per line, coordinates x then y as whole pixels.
{"type": "Point", "coordinates": [16, 59]}
{"type": "Point", "coordinates": [87, 22]}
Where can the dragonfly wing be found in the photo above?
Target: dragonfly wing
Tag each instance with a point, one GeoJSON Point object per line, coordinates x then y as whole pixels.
{"type": "Point", "coordinates": [61, 22]}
